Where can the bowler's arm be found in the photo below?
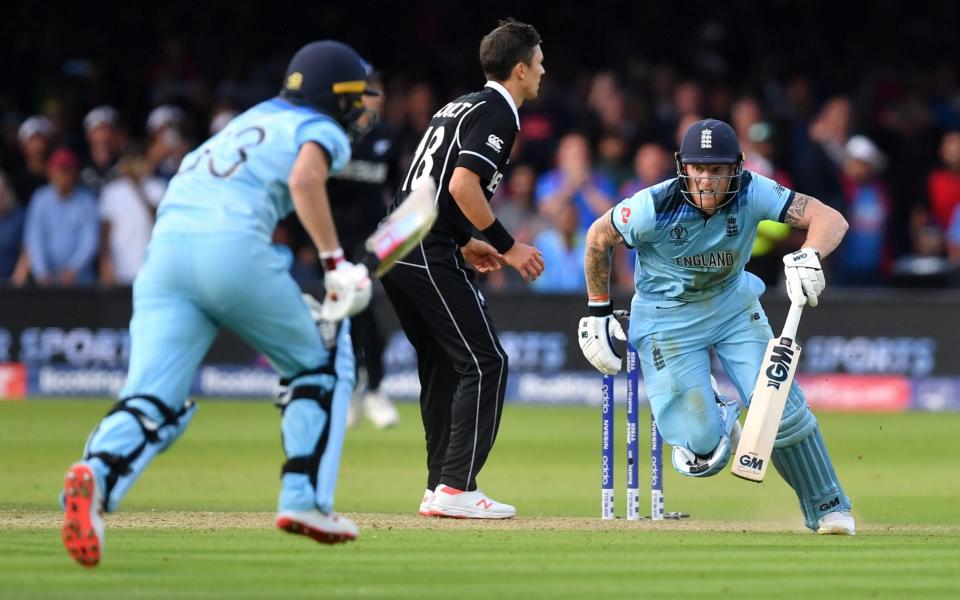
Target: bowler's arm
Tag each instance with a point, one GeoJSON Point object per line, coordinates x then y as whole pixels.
{"type": "Point", "coordinates": [825, 226]}
{"type": "Point", "coordinates": [602, 238]}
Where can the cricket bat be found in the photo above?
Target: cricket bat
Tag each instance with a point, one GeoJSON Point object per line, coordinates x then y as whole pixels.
{"type": "Point", "coordinates": [404, 228]}
{"type": "Point", "coordinates": [769, 397]}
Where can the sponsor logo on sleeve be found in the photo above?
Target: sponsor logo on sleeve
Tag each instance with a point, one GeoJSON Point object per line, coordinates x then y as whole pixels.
{"type": "Point", "coordinates": [495, 143]}
{"type": "Point", "coordinates": [625, 214]}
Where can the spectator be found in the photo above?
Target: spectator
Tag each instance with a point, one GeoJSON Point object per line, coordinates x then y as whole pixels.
{"type": "Point", "coordinates": [11, 231]}
{"type": "Point", "coordinates": [821, 165]}
{"type": "Point", "coordinates": [128, 208]}
{"type": "Point", "coordinates": [515, 208]}
{"type": "Point", "coordinates": [943, 184]}
{"type": "Point", "coordinates": [611, 159]}
{"type": "Point", "coordinates": [61, 226]}
{"type": "Point", "coordinates": [761, 158]}
{"type": "Point", "coordinates": [167, 145]}
{"type": "Point", "coordinates": [651, 165]}
{"type": "Point", "coordinates": [35, 136]}
{"type": "Point", "coordinates": [953, 238]}
{"type": "Point", "coordinates": [220, 118]}
{"type": "Point", "coordinates": [562, 247]}
{"type": "Point", "coordinates": [103, 144]}
{"type": "Point", "coordinates": [863, 257]}
{"type": "Point", "coordinates": [574, 182]}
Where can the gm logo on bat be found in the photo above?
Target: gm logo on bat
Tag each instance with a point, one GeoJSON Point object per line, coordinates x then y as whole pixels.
{"type": "Point", "coordinates": [780, 359]}
{"type": "Point", "coordinates": [751, 462]}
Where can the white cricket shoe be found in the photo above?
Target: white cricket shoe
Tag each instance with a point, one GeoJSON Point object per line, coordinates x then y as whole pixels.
{"type": "Point", "coordinates": [838, 522]}
{"type": "Point", "coordinates": [425, 503]}
{"type": "Point", "coordinates": [325, 528]}
{"type": "Point", "coordinates": [379, 409]}
{"type": "Point", "coordinates": [82, 530]}
{"type": "Point", "coordinates": [450, 502]}
{"type": "Point", "coordinates": [353, 410]}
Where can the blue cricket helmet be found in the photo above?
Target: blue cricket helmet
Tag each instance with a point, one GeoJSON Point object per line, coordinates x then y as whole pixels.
{"type": "Point", "coordinates": [710, 142]}
{"type": "Point", "coordinates": [329, 76]}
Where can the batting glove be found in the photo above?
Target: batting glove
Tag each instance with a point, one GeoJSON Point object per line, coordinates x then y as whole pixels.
{"type": "Point", "coordinates": [804, 276]}
{"type": "Point", "coordinates": [596, 336]}
{"type": "Point", "coordinates": [348, 291]}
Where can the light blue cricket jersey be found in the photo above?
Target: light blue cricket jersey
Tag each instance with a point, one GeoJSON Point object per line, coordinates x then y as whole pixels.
{"type": "Point", "coordinates": [237, 180]}
{"type": "Point", "coordinates": [683, 256]}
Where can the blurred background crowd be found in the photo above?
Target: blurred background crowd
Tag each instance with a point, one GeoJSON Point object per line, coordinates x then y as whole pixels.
{"type": "Point", "coordinates": [863, 114]}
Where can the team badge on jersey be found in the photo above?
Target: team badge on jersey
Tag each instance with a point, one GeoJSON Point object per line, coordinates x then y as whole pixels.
{"type": "Point", "coordinates": [495, 143]}
{"type": "Point", "coordinates": [732, 227]}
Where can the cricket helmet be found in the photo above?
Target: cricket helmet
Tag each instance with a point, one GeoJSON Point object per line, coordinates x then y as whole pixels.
{"type": "Point", "coordinates": [710, 142]}
{"type": "Point", "coordinates": [329, 76]}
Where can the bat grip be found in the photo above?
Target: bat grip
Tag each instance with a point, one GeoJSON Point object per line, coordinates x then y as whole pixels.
{"type": "Point", "coordinates": [793, 321]}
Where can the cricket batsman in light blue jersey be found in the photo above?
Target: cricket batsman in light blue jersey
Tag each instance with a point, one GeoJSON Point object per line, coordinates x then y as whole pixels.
{"type": "Point", "coordinates": [693, 236]}
{"type": "Point", "coordinates": [211, 265]}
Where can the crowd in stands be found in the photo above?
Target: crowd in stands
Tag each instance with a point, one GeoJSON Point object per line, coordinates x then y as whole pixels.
{"type": "Point", "coordinates": [80, 182]}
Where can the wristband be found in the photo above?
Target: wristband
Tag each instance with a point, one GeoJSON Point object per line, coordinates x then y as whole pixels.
{"type": "Point", "coordinates": [498, 236]}
{"type": "Point", "coordinates": [331, 259]}
{"type": "Point", "coordinates": [599, 309]}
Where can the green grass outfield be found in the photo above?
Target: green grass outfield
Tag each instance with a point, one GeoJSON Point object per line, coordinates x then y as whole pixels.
{"type": "Point", "coordinates": [199, 523]}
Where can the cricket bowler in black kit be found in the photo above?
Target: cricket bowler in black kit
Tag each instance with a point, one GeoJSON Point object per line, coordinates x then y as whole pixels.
{"type": "Point", "coordinates": [358, 200]}
{"type": "Point", "coordinates": [462, 367]}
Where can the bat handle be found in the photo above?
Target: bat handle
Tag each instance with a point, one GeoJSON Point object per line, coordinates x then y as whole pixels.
{"type": "Point", "coordinates": [793, 321]}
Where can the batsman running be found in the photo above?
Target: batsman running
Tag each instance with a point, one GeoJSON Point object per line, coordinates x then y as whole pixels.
{"type": "Point", "coordinates": [211, 265]}
{"type": "Point", "coordinates": [693, 236]}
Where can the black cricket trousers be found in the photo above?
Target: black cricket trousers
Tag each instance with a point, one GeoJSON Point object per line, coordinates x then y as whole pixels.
{"type": "Point", "coordinates": [462, 367]}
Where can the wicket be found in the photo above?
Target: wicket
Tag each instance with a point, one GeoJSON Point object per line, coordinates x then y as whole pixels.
{"type": "Point", "coordinates": [608, 492]}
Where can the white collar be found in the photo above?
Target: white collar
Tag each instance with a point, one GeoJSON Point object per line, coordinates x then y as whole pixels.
{"type": "Point", "coordinates": [496, 85]}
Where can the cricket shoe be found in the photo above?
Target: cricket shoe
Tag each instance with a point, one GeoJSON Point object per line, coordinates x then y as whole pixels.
{"type": "Point", "coordinates": [451, 502]}
{"type": "Point", "coordinates": [838, 522]}
{"type": "Point", "coordinates": [379, 410]}
{"type": "Point", "coordinates": [426, 502]}
{"type": "Point", "coordinates": [353, 410]}
{"type": "Point", "coordinates": [82, 531]}
{"type": "Point", "coordinates": [326, 528]}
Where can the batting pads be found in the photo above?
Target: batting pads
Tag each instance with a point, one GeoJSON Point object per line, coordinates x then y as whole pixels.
{"type": "Point", "coordinates": [135, 430]}
{"type": "Point", "coordinates": [800, 456]}
{"type": "Point", "coordinates": [314, 424]}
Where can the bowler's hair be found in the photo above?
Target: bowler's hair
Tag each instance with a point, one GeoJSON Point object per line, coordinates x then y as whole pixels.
{"type": "Point", "coordinates": [510, 43]}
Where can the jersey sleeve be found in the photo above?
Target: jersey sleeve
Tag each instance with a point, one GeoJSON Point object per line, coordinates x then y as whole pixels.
{"type": "Point", "coordinates": [331, 138]}
{"type": "Point", "coordinates": [486, 138]}
{"type": "Point", "coordinates": [635, 218]}
{"type": "Point", "coordinates": [768, 199]}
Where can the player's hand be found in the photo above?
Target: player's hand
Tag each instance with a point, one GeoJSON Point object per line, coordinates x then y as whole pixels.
{"type": "Point", "coordinates": [596, 335]}
{"type": "Point", "coordinates": [804, 277]}
{"type": "Point", "coordinates": [527, 260]}
{"type": "Point", "coordinates": [348, 291]}
{"type": "Point", "coordinates": [481, 255]}
{"type": "Point", "coordinates": [328, 329]}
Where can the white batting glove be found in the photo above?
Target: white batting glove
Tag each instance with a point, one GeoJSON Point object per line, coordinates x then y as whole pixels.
{"type": "Point", "coordinates": [328, 329]}
{"type": "Point", "coordinates": [804, 277]}
{"type": "Point", "coordinates": [348, 291]}
{"type": "Point", "coordinates": [596, 342]}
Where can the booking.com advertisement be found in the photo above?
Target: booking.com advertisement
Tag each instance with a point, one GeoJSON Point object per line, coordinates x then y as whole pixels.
{"type": "Point", "coordinates": [849, 361]}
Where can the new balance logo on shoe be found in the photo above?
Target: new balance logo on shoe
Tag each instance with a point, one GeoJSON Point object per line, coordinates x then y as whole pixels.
{"type": "Point", "coordinates": [484, 504]}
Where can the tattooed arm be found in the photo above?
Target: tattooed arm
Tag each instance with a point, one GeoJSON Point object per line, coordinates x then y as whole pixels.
{"type": "Point", "coordinates": [601, 239]}
{"type": "Point", "coordinates": [825, 226]}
